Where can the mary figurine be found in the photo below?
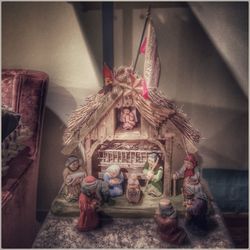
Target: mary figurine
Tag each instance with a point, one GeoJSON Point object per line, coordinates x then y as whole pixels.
{"type": "Point", "coordinates": [114, 177]}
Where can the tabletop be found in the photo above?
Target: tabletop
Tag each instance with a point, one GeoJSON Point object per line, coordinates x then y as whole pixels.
{"type": "Point", "coordinates": [61, 232]}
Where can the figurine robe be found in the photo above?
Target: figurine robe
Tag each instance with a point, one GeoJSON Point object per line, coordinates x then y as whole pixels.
{"type": "Point", "coordinates": [196, 212]}
{"type": "Point", "coordinates": [72, 176]}
{"type": "Point", "coordinates": [169, 231]}
{"type": "Point", "coordinates": [191, 174]}
{"type": "Point", "coordinates": [154, 186]}
{"type": "Point", "coordinates": [114, 177]}
{"type": "Point", "coordinates": [88, 219]}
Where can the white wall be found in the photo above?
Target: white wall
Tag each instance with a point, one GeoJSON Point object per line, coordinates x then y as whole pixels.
{"type": "Point", "coordinates": [49, 37]}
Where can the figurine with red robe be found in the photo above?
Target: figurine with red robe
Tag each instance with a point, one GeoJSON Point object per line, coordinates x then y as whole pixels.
{"type": "Point", "coordinates": [88, 203]}
{"type": "Point", "coordinates": [167, 224]}
{"type": "Point", "coordinates": [190, 172]}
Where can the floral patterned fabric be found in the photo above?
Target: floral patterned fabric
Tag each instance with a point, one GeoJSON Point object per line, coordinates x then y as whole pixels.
{"type": "Point", "coordinates": [22, 92]}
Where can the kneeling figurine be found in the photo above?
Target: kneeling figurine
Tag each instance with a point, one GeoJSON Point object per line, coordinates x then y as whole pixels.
{"type": "Point", "coordinates": [196, 212]}
{"type": "Point", "coordinates": [167, 222]}
{"type": "Point", "coordinates": [114, 177]}
{"type": "Point", "coordinates": [88, 203]}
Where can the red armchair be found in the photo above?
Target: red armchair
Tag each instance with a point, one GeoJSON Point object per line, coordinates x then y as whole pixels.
{"type": "Point", "coordinates": [23, 91]}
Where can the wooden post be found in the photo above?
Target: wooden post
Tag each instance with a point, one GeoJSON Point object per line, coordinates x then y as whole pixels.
{"type": "Point", "coordinates": [168, 167]}
{"type": "Point", "coordinates": [107, 31]}
{"type": "Point", "coordinates": [174, 187]}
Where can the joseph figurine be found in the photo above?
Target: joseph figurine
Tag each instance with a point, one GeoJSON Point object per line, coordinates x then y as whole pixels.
{"type": "Point", "coordinates": [154, 173]}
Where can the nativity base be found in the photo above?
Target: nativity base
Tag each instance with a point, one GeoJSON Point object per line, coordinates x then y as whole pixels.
{"type": "Point", "coordinates": [119, 207]}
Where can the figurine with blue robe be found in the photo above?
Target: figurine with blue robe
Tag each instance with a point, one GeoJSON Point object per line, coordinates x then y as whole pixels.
{"type": "Point", "coordinates": [114, 177]}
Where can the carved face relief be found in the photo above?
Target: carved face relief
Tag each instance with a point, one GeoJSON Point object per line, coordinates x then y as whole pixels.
{"type": "Point", "coordinates": [74, 166]}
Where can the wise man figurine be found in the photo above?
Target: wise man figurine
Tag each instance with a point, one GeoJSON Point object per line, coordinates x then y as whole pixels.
{"type": "Point", "coordinates": [88, 203]}
{"type": "Point", "coordinates": [167, 224]}
{"type": "Point", "coordinates": [190, 172]}
{"type": "Point", "coordinates": [196, 211]}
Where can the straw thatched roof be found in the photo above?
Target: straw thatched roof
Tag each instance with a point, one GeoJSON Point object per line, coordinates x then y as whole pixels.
{"type": "Point", "coordinates": [157, 109]}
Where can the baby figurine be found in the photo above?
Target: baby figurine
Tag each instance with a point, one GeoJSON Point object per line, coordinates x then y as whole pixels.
{"type": "Point", "coordinates": [127, 119]}
{"type": "Point", "coordinates": [72, 176]}
{"type": "Point", "coordinates": [133, 193]}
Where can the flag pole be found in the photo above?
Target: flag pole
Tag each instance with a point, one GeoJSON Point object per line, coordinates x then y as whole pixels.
{"type": "Point", "coordinates": [143, 32]}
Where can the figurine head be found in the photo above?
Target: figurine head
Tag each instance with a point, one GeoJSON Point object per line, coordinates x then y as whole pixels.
{"type": "Point", "coordinates": [72, 163]}
{"type": "Point", "coordinates": [89, 185]}
{"type": "Point", "coordinates": [152, 157]}
{"type": "Point", "coordinates": [126, 110]}
{"type": "Point", "coordinates": [190, 161]}
{"type": "Point", "coordinates": [166, 208]}
{"type": "Point", "coordinates": [113, 170]}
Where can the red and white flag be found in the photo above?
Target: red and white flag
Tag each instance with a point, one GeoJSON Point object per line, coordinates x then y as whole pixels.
{"type": "Point", "coordinates": [152, 61]}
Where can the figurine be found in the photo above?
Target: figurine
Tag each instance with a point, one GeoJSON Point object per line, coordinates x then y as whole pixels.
{"type": "Point", "coordinates": [114, 177]}
{"type": "Point", "coordinates": [189, 171]}
{"type": "Point", "coordinates": [167, 222]}
{"type": "Point", "coordinates": [196, 211]}
{"type": "Point", "coordinates": [127, 119]}
{"type": "Point", "coordinates": [154, 174]}
{"type": "Point", "coordinates": [88, 203]}
{"type": "Point", "coordinates": [72, 176]}
{"type": "Point", "coordinates": [133, 193]}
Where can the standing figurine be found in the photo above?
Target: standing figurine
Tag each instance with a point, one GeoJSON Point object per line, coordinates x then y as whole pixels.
{"type": "Point", "coordinates": [133, 193]}
{"type": "Point", "coordinates": [167, 222]}
{"type": "Point", "coordinates": [72, 176]}
{"type": "Point", "coordinates": [196, 211]}
{"type": "Point", "coordinates": [88, 203]}
{"type": "Point", "coordinates": [154, 174]}
{"type": "Point", "coordinates": [127, 119]}
{"type": "Point", "coordinates": [190, 172]}
{"type": "Point", "coordinates": [114, 177]}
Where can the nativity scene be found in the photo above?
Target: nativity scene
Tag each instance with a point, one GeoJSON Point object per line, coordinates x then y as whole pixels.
{"type": "Point", "coordinates": [125, 135]}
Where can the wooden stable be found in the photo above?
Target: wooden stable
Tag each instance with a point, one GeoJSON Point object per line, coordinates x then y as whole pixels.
{"type": "Point", "coordinates": [96, 129]}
